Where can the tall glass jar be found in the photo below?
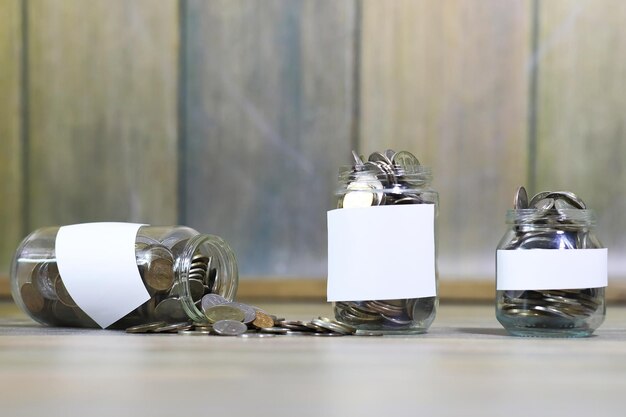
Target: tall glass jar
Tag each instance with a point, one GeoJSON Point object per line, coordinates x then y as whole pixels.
{"type": "Point", "coordinates": [551, 272]}
{"type": "Point", "coordinates": [118, 275]}
{"type": "Point", "coordinates": [381, 246]}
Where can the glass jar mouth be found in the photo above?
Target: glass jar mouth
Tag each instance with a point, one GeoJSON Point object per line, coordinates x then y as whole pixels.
{"type": "Point", "coordinates": [382, 178]}
{"type": "Point", "coordinates": [221, 258]}
{"type": "Point", "coordinates": [549, 217]}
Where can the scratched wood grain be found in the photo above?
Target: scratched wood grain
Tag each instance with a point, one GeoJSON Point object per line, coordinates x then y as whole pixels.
{"type": "Point", "coordinates": [10, 132]}
{"type": "Point", "coordinates": [448, 81]}
{"type": "Point", "coordinates": [102, 111]}
{"type": "Point", "coordinates": [268, 95]}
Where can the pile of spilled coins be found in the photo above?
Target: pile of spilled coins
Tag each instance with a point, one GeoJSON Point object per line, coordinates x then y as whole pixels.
{"type": "Point", "coordinates": [226, 318]}
{"type": "Point", "coordinates": [546, 221]}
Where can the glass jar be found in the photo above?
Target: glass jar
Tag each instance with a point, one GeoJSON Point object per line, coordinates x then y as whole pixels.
{"type": "Point", "coordinates": [118, 275]}
{"type": "Point", "coordinates": [382, 272]}
{"type": "Point", "coordinates": [551, 272]}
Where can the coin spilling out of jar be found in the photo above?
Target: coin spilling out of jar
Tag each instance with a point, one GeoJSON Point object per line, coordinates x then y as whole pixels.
{"type": "Point", "coordinates": [238, 319]}
{"type": "Point", "coordinates": [177, 266]}
{"type": "Point", "coordinates": [384, 179]}
{"type": "Point", "coordinates": [551, 267]}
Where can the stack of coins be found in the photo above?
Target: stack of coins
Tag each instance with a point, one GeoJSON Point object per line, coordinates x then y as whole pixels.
{"type": "Point", "coordinates": [385, 178]}
{"type": "Point", "coordinates": [387, 314]}
{"type": "Point", "coordinates": [545, 225]}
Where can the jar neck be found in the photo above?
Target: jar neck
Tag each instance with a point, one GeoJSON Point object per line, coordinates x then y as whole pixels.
{"type": "Point", "coordinates": [221, 265]}
{"type": "Point", "coordinates": [384, 178]}
{"type": "Point", "coordinates": [535, 219]}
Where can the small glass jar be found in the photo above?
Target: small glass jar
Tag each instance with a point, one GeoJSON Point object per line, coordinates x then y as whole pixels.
{"type": "Point", "coordinates": [551, 273]}
{"type": "Point", "coordinates": [177, 266]}
{"type": "Point", "coordinates": [390, 179]}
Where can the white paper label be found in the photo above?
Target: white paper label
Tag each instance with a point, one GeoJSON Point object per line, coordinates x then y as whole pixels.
{"type": "Point", "coordinates": [549, 269]}
{"type": "Point", "coordinates": [97, 264]}
{"type": "Point", "coordinates": [381, 253]}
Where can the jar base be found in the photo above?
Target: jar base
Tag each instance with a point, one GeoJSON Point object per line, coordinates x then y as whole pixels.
{"type": "Point", "coordinates": [549, 333]}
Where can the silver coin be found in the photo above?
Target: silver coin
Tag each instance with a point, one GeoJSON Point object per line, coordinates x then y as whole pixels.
{"type": "Point", "coordinates": [379, 157]}
{"type": "Point", "coordinates": [405, 160]}
{"type": "Point", "coordinates": [358, 162]}
{"type": "Point", "coordinates": [544, 204]}
{"type": "Point", "coordinates": [249, 312]}
{"type": "Point", "coordinates": [145, 328]}
{"type": "Point", "coordinates": [173, 328]}
{"type": "Point", "coordinates": [229, 328]}
{"type": "Point", "coordinates": [194, 332]}
{"type": "Point", "coordinates": [521, 199]}
{"type": "Point", "coordinates": [170, 310]}
{"type": "Point", "coordinates": [256, 335]}
{"type": "Point", "coordinates": [331, 327]}
{"type": "Point", "coordinates": [273, 330]}
{"type": "Point", "coordinates": [210, 300]}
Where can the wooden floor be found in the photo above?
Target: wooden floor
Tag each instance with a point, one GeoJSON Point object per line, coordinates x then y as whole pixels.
{"type": "Point", "coordinates": [465, 366]}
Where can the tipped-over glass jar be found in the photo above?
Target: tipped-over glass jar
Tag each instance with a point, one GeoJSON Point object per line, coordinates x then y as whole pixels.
{"type": "Point", "coordinates": [551, 268]}
{"type": "Point", "coordinates": [120, 274]}
{"type": "Point", "coordinates": [382, 272]}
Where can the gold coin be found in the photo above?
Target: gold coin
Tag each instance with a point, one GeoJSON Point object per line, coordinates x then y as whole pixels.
{"type": "Point", "coordinates": [33, 300]}
{"type": "Point", "coordinates": [62, 293]}
{"type": "Point", "coordinates": [263, 321]}
{"type": "Point", "coordinates": [160, 274]}
{"type": "Point", "coordinates": [224, 312]}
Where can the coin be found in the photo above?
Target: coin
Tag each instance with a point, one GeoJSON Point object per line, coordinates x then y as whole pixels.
{"type": "Point", "coordinates": [358, 162]}
{"type": "Point", "coordinates": [194, 332]}
{"type": "Point", "coordinates": [249, 312]}
{"type": "Point", "coordinates": [62, 293]}
{"type": "Point", "coordinates": [224, 312]}
{"type": "Point", "coordinates": [521, 199]}
{"type": "Point", "coordinates": [173, 328]}
{"type": "Point", "coordinates": [229, 328]}
{"type": "Point", "coordinates": [160, 274]}
{"type": "Point", "coordinates": [379, 157]}
{"type": "Point", "coordinates": [32, 298]}
{"type": "Point", "coordinates": [263, 320]}
{"type": "Point", "coordinates": [145, 328]}
{"type": "Point", "coordinates": [43, 276]}
{"type": "Point", "coordinates": [273, 330]}
{"type": "Point", "coordinates": [170, 310]}
{"type": "Point", "coordinates": [210, 300]}
{"type": "Point", "coordinates": [405, 159]}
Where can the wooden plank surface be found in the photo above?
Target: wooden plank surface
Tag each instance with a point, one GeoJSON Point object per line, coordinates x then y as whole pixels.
{"type": "Point", "coordinates": [10, 131]}
{"type": "Point", "coordinates": [268, 95]}
{"type": "Point", "coordinates": [581, 127]}
{"type": "Point", "coordinates": [102, 111]}
{"type": "Point", "coordinates": [465, 366]}
{"type": "Point", "coordinates": [448, 81]}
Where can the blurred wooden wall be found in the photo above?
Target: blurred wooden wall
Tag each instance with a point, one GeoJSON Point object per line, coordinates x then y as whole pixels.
{"type": "Point", "coordinates": [233, 116]}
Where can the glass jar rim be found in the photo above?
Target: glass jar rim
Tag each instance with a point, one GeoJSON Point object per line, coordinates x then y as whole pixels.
{"type": "Point", "coordinates": [383, 179]}
{"type": "Point", "coordinates": [533, 216]}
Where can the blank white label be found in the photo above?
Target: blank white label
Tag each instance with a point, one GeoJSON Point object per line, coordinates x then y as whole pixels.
{"type": "Point", "coordinates": [549, 269]}
{"type": "Point", "coordinates": [381, 253]}
{"type": "Point", "coordinates": [97, 264]}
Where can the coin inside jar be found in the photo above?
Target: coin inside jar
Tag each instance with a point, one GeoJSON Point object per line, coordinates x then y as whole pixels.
{"type": "Point", "coordinates": [159, 272]}
{"type": "Point", "coordinates": [62, 293]}
{"type": "Point", "coordinates": [32, 298]}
